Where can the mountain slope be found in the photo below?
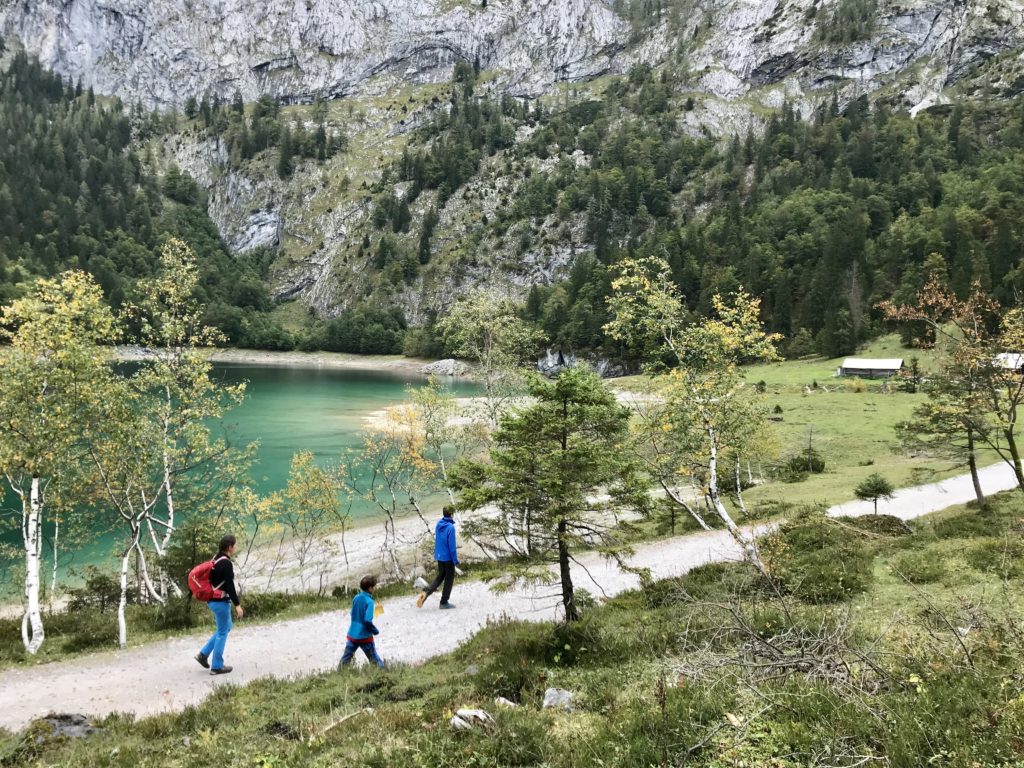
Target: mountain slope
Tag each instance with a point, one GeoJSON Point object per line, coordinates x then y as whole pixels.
{"type": "Point", "coordinates": [577, 132]}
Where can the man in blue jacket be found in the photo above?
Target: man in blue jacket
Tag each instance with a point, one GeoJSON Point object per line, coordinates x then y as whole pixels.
{"type": "Point", "coordinates": [447, 557]}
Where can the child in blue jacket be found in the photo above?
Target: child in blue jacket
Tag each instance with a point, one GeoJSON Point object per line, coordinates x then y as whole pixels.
{"type": "Point", "coordinates": [362, 629]}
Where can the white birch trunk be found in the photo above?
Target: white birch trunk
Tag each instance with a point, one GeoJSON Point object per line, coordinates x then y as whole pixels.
{"type": "Point", "coordinates": [32, 634]}
{"type": "Point", "coordinates": [168, 494]}
{"type": "Point", "coordinates": [677, 497]}
{"type": "Point", "coordinates": [739, 489]}
{"type": "Point", "coordinates": [56, 550]}
{"type": "Point", "coordinates": [147, 580]}
{"type": "Point", "coordinates": [746, 542]}
{"type": "Point", "coordinates": [122, 623]}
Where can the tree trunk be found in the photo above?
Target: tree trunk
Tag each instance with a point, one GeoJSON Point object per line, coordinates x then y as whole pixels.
{"type": "Point", "coordinates": [32, 634]}
{"type": "Point", "coordinates": [122, 622]}
{"type": "Point", "coordinates": [1011, 443]}
{"type": "Point", "coordinates": [748, 544]}
{"type": "Point", "coordinates": [526, 531]}
{"type": "Point", "coordinates": [972, 462]}
{"type": "Point", "coordinates": [56, 551]}
{"type": "Point", "coordinates": [739, 489]}
{"type": "Point", "coordinates": [677, 498]}
{"type": "Point", "coordinates": [568, 591]}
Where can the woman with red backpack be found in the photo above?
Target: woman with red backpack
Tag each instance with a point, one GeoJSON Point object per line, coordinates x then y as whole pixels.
{"type": "Point", "coordinates": [222, 580]}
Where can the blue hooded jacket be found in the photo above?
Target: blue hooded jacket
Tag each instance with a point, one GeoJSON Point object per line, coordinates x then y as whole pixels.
{"type": "Point", "coordinates": [362, 629]}
{"type": "Point", "coordinates": [444, 541]}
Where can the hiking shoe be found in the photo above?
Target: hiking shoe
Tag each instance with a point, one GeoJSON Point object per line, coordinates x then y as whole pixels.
{"type": "Point", "coordinates": [446, 606]}
{"type": "Point", "coordinates": [203, 659]}
{"type": "Point", "coordinates": [421, 599]}
{"type": "Point", "coordinates": [221, 671]}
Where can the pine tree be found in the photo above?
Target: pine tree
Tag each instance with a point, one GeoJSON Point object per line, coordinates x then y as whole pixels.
{"type": "Point", "coordinates": [285, 154]}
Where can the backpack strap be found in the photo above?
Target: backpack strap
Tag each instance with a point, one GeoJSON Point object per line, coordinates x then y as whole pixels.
{"type": "Point", "coordinates": [217, 558]}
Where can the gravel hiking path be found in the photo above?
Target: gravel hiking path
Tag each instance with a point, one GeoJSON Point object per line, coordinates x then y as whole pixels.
{"type": "Point", "coordinates": [163, 676]}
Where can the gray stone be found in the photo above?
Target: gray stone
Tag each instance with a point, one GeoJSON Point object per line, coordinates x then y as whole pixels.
{"type": "Point", "coordinates": [447, 367]}
{"type": "Point", "coordinates": [72, 726]}
{"type": "Point", "coordinates": [472, 669]}
{"type": "Point", "coordinates": [558, 698]}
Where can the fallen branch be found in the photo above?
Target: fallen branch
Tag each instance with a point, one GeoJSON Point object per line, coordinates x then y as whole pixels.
{"type": "Point", "coordinates": [328, 728]}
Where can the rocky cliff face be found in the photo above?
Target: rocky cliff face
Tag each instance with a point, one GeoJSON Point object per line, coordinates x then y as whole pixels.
{"type": "Point", "coordinates": [162, 51]}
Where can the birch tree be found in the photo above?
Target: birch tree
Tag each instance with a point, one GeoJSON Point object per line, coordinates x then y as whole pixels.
{"type": "Point", "coordinates": [155, 431]}
{"type": "Point", "coordinates": [55, 376]}
{"type": "Point", "coordinates": [709, 410]}
{"type": "Point", "coordinates": [485, 328]}
{"type": "Point", "coordinates": [394, 474]}
{"type": "Point", "coordinates": [182, 397]}
{"type": "Point", "coordinates": [311, 509]}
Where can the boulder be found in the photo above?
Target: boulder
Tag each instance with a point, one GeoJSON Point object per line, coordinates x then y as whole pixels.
{"type": "Point", "coordinates": [558, 698]}
{"type": "Point", "coordinates": [447, 367]}
{"type": "Point", "coordinates": [467, 719]}
{"type": "Point", "coordinates": [502, 703]}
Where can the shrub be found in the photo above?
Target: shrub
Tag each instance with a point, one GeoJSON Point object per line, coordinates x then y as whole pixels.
{"type": "Point", "coordinates": [966, 526]}
{"type": "Point", "coordinates": [883, 525]}
{"type": "Point", "coordinates": [90, 630]}
{"type": "Point", "coordinates": [1003, 557]}
{"type": "Point", "coordinates": [796, 468]}
{"type": "Point", "coordinates": [704, 582]}
{"type": "Point", "coordinates": [818, 561]}
{"type": "Point", "coordinates": [100, 591]}
{"type": "Point", "coordinates": [918, 567]}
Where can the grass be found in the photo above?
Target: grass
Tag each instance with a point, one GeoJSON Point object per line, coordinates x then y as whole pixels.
{"type": "Point", "coordinates": [851, 422]}
{"type": "Point", "coordinates": [637, 701]}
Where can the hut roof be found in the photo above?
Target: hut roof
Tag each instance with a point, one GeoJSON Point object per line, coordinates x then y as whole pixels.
{"type": "Point", "coordinates": [874, 364]}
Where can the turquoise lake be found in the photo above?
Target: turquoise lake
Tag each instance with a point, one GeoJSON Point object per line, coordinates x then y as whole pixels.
{"type": "Point", "coordinates": [286, 410]}
{"type": "Point", "coordinates": [319, 410]}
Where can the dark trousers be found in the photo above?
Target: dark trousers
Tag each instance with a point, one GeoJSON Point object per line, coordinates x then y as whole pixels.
{"type": "Point", "coordinates": [445, 573]}
{"type": "Point", "coordinates": [370, 649]}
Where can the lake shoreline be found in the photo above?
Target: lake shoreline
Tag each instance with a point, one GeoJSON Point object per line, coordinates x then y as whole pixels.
{"type": "Point", "coordinates": [299, 360]}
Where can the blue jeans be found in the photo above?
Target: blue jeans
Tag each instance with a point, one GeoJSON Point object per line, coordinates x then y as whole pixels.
{"type": "Point", "coordinates": [370, 649]}
{"type": "Point", "coordinates": [215, 645]}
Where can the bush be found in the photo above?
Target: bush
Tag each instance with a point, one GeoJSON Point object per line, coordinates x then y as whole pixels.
{"type": "Point", "coordinates": [86, 631]}
{"type": "Point", "coordinates": [705, 582]}
{"type": "Point", "coordinates": [808, 460]}
{"type": "Point", "coordinates": [178, 613]}
{"type": "Point", "coordinates": [966, 526]}
{"type": "Point", "coordinates": [797, 468]}
{"type": "Point", "coordinates": [1002, 557]}
{"type": "Point", "coordinates": [100, 591]}
{"type": "Point", "coordinates": [919, 567]}
{"type": "Point", "coordinates": [883, 525]}
{"type": "Point", "coordinates": [818, 561]}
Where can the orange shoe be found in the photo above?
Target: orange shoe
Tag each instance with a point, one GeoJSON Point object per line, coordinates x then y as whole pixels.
{"type": "Point", "coordinates": [421, 599]}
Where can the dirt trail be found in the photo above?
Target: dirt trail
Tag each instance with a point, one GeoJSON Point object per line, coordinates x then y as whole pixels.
{"type": "Point", "coordinates": [163, 676]}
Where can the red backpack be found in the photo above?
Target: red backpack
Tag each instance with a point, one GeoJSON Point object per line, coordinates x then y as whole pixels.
{"type": "Point", "coordinates": [199, 582]}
